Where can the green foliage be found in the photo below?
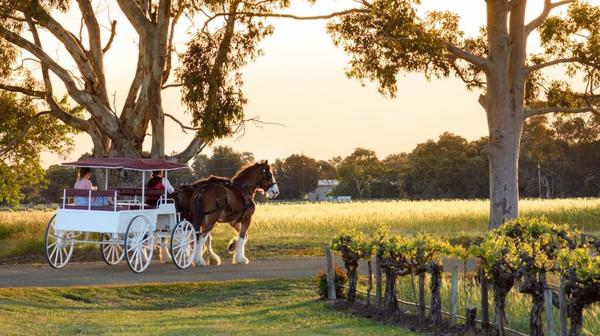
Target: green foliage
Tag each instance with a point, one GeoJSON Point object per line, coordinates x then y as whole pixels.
{"type": "Point", "coordinates": [210, 69]}
{"type": "Point", "coordinates": [297, 175]}
{"type": "Point", "coordinates": [352, 244]}
{"type": "Point", "coordinates": [357, 172]}
{"type": "Point", "coordinates": [24, 134]}
{"type": "Point", "coordinates": [388, 38]}
{"type": "Point", "coordinates": [341, 278]}
{"type": "Point", "coordinates": [524, 246]}
{"type": "Point", "coordinates": [582, 263]}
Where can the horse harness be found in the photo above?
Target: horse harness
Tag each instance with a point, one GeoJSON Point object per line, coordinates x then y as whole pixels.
{"type": "Point", "coordinates": [242, 189]}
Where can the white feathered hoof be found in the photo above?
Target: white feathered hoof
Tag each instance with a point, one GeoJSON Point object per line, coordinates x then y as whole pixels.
{"type": "Point", "coordinates": [242, 260]}
{"type": "Point", "coordinates": [198, 260]}
{"type": "Point", "coordinates": [215, 259]}
{"type": "Point", "coordinates": [163, 255]}
{"type": "Point", "coordinates": [239, 257]}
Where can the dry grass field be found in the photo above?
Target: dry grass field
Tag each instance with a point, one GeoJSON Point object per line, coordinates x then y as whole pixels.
{"type": "Point", "coordinates": [304, 228]}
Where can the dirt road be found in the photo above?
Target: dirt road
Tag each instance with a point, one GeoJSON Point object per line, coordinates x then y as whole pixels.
{"type": "Point", "coordinates": [98, 273]}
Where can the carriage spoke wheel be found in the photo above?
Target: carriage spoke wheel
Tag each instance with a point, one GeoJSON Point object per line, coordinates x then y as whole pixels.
{"type": "Point", "coordinates": [139, 244]}
{"type": "Point", "coordinates": [111, 248]}
{"type": "Point", "coordinates": [183, 244]}
{"type": "Point", "coordinates": [59, 245]}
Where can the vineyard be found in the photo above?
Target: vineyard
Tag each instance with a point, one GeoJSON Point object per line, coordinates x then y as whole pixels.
{"type": "Point", "coordinates": [520, 256]}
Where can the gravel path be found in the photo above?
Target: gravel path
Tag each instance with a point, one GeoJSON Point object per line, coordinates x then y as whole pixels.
{"type": "Point", "coordinates": [100, 274]}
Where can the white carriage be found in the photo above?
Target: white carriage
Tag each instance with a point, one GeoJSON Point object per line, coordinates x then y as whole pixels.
{"type": "Point", "coordinates": [128, 227]}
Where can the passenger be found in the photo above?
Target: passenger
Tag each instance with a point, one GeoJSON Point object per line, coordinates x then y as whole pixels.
{"type": "Point", "coordinates": [83, 182]}
{"type": "Point", "coordinates": [158, 182]}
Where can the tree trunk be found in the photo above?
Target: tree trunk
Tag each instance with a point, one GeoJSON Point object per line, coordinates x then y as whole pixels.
{"type": "Point", "coordinates": [576, 317]}
{"type": "Point", "coordinates": [535, 316]}
{"type": "Point", "coordinates": [391, 303]}
{"type": "Point", "coordinates": [503, 103]}
{"type": "Point", "coordinates": [352, 279]}
{"type": "Point", "coordinates": [505, 139]}
{"type": "Point", "coordinates": [436, 298]}
{"type": "Point", "coordinates": [500, 305]}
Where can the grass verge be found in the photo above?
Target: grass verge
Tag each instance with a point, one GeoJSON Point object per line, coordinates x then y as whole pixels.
{"type": "Point", "coordinates": [232, 308]}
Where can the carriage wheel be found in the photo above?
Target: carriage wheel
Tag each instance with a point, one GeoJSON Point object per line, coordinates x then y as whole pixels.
{"type": "Point", "coordinates": [59, 245]}
{"type": "Point", "coordinates": [183, 244]}
{"type": "Point", "coordinates": [111, 248]}
{"type": "Point", "coordinates": [139, 244]}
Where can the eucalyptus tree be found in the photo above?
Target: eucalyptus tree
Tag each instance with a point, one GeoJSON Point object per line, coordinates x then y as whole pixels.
{"type": "Point", "coordinates": [386, 37]}
{"type": "Point", "coordinates": [208, 74]}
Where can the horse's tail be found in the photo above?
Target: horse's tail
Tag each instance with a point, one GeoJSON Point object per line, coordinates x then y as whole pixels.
{"type": "Point", "coordinates": [197, 207]}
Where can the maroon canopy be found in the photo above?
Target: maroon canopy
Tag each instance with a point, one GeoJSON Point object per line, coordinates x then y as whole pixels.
{"type": "Point", "coordinates": [125, 163]}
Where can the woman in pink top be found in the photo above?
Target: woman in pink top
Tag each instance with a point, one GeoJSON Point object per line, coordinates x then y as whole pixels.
{"type": "Point", "coordinates": [83, 182]}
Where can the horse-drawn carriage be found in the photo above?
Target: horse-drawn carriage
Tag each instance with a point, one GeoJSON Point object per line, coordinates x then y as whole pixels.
{"type": "Point", "coordinates": [127, 226]}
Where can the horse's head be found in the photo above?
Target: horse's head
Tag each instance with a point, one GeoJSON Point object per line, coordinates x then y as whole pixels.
{"type": "Point", "coordinates": [266, 179]}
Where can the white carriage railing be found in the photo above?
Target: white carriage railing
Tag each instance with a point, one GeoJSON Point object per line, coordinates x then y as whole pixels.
{"type": "Point", "coordinates": [115, 194]}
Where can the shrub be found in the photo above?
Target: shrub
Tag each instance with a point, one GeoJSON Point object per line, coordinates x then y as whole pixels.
{"type": "Point", "coordinates": [340, 280]}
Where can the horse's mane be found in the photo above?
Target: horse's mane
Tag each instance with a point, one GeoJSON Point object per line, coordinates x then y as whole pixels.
{"type": "Point", "coordinates": [244, 171]}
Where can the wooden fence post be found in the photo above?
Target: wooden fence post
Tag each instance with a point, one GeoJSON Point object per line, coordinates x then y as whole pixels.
{"type": "Point", "coordinates": [549, 315]}
{"type": "Point", "coordinates": [562, 304]}
{"type": "Point", "coordinates": [378, 284]}
{"type": "Point", "coordinates": [370, 288]}
{"type": "Point", "coordinates": [421, 298]}
{"type": "Point", "coordinates": [485, 305]}
{"type": "Point", "coordinates": [330, 274]}
{"type": "Point", "coordinates": [454, 295]}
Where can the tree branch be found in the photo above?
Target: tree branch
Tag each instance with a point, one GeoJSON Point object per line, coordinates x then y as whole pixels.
{"type": "Point", "coordinates": [545, 110]}
{"type": "Point", "coordinates": [25, 91]}
{"type": "Point", "coordinates": [560, 61]}
{"type": "Point", "coordinates": [182, 125]}
{"type": "Point", "coordinates": [113, 32]}
{"type": "Point", "coordinates": [70, 42]}
{"type": "Point", "coordinates": [170, 48]}
{"type": "Point", "coordinates": [173, 85]}
{"type": "Point", "coordinates": [289, 16]}
{"type": "Point", "coordinates": [135, 15]}
{"type": "Point", "coordinates": [194, 147]}
{"type": "Point", "coordinates": [57, 111]}
{"type": "Point", "coordinates": [478, 61]}
{"type": "Point", "coordinates": [548, 6]}
{"type": "Point", "coordinates": [109, 123]}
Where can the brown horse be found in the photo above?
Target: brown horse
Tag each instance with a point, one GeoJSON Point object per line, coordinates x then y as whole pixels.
{"type": "Point", "coordinates": [218, 199]}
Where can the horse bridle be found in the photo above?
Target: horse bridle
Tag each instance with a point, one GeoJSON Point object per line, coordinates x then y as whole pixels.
{"type": "Point", "coordinates": [265, 176]}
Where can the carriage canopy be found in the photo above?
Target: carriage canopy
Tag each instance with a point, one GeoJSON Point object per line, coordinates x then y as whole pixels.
{"type": "Point", "coordinates": [126, 163]}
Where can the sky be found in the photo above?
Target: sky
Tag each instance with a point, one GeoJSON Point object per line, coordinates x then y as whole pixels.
{"type": "Point", "coordinates": [300, 82]}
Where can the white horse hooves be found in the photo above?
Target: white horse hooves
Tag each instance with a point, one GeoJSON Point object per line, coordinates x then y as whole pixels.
{"type": "Point", "coordinates": [164, 256]}
{"type": "Point", "coordinates": [243, 260]}
{"type": "Point", "coordinates": [215, 260]}
{"type": "Point", "coordinates": [200, 262]}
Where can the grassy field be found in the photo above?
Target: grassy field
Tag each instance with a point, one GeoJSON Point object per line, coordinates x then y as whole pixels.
{"type": "Point", "coordinates": [303, 228]}
{"type": "Point", "coordinates": [232, 308]}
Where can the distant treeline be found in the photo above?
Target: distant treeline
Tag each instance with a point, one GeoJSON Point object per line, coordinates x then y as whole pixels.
{"type": "Point", "coordinates": [560, 157]}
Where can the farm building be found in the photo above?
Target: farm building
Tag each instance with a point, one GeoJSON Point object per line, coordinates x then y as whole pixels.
{"type": "Point", "coordinates": [324, 187]}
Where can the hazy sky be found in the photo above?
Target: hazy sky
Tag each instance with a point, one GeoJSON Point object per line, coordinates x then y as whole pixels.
{"type": "Point", "coordinates": [300, 82]}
